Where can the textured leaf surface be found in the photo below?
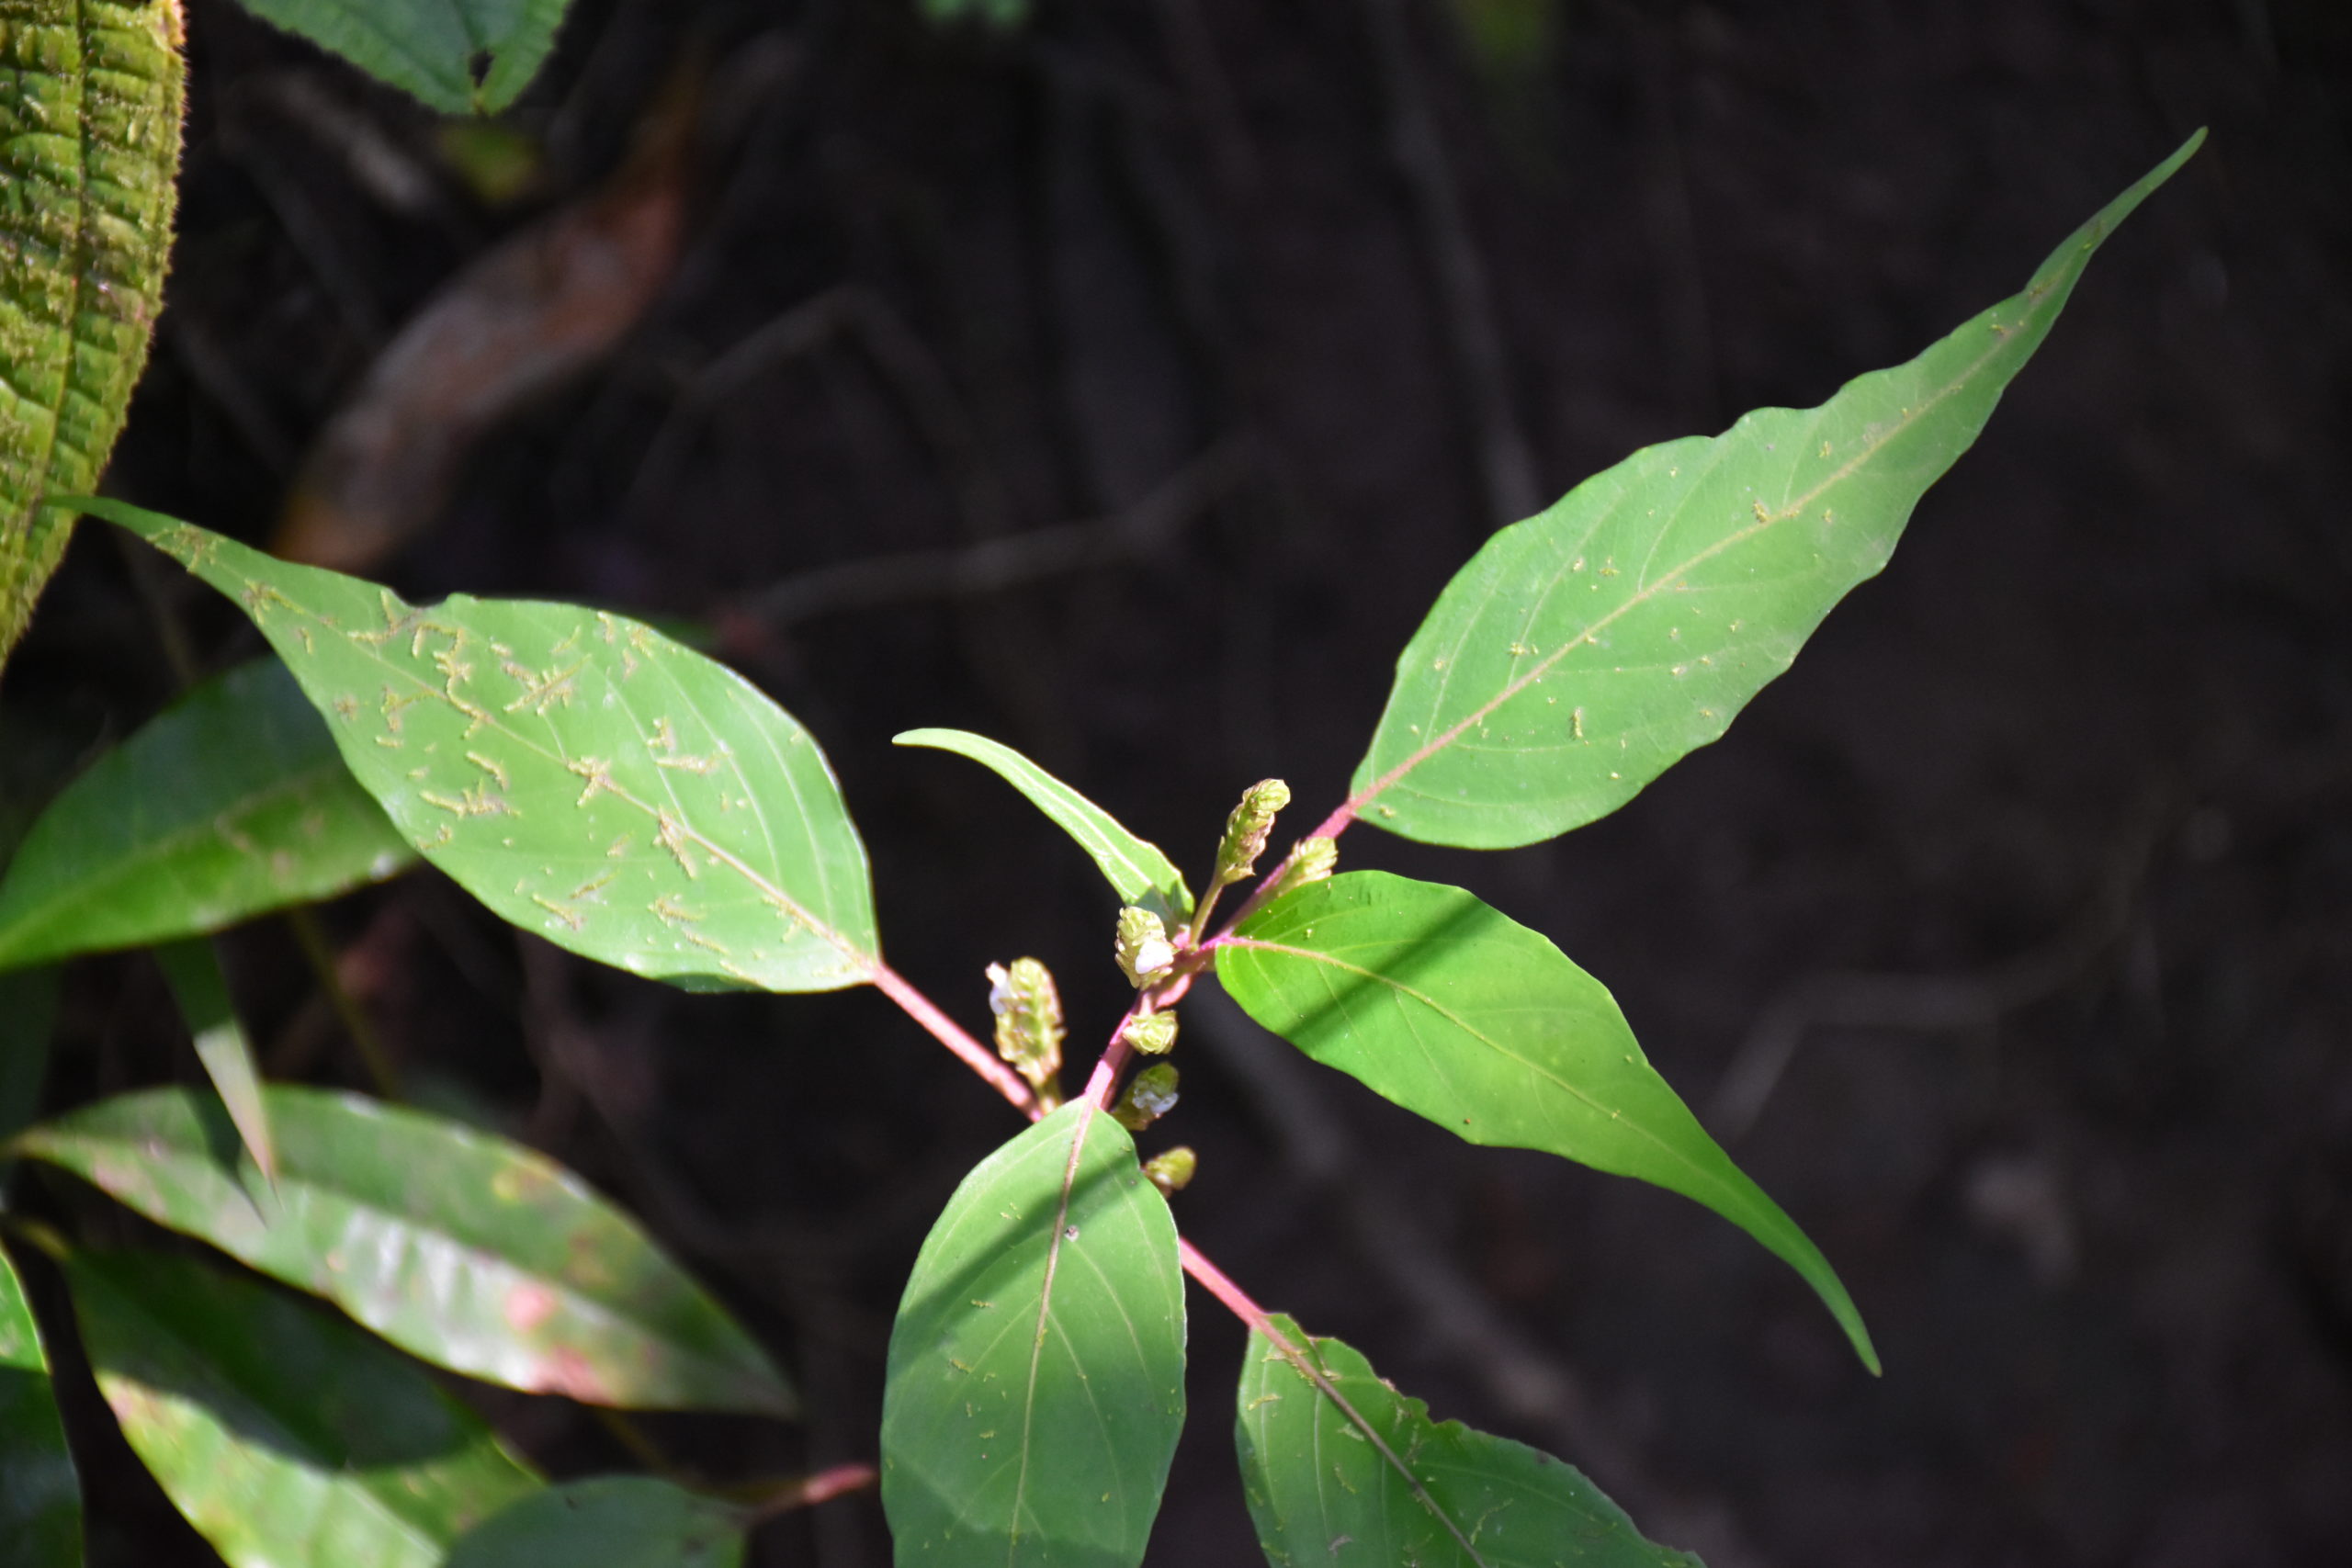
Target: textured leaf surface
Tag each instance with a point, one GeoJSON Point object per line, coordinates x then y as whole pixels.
{"type": "Point", "coordinates": [288, 1439]}
{"type": "Point", "coordinates": [1135, 867]}
{"type": "Point", "coordinates": [430, 48]}
{"type": "Point", "coordinates": [40, 1500]}
{"type": "Point", "coordinates": [1036, 1375]}
{"type": "Point", "coordinates": [1582, 652]}
{"type": "Point", "coordinates": [90, 96]}
{"type": "Point", "coordinates": [470, 1252]}
{"type": "Point", "coordinates": [231, 804]}
{"type": "Point", "coordinates": [1338, 1467]}
{"type": "Point", "coordinates": [1453, 1009]}
{"type": "Point", "coordinates": [202, 992]}
{"type": "Point", "coordinates": [613, 1521]}
{"type": "Point", "coordinates": [581, 774]}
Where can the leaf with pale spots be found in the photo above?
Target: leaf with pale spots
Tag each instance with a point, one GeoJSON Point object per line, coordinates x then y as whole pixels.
{"type": "Point", "coordinates": [1582, 652]}
{"type": "Point", "coordinates": [287, 1438]}
{"type": "Point", "coordinates": [40, 1502]}
{"type": "Point", "coordinates": [586, 777]}
{"type": "Point", "coordinates": [1457, 1012]}
{"type": "Point", "coordinates": [470, 1252]}
{"type": "Point", "coordinates": [1036, 1375]}
{"type": "Point", "coordinates": [1340, 1467]}
{"type": "Point", "coordinates": [231, 804]}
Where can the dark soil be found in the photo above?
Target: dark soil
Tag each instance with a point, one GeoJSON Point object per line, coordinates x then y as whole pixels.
{"type": "Point", "coordinates": [2043, 850]}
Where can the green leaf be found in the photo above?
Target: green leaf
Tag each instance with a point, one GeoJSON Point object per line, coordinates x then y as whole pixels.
{"type": "Point", "coordinates": [473, 1252]}
{"type": "Point", "coordinates": [202, 992]}
{"type": "Point", "coordinates": [613, 1521]}
{"type": "Point", "coordinates": [1453, 1009]}
{"type": "Point", "coordinates": [90, 113]}
{"type": "Point", "coordinates": [1135, 867]}
{"type": "Point", "coordinates": [1581, 653]}
{"type": "Point", "coordinates": [289, 1439]}
{"type": "Point", "coordinates": [1036, 1375]}
{"type": "Point", "coordinates": [40, 1501]}
{"type": "Point", "coordinates": [1338, 1466]}
{"type": "Point", "coordinates": [231, 804]}
{"type": "Point", "coordinates": [584, 776]}
{"type": "Point", "coordinates": [457, 56]}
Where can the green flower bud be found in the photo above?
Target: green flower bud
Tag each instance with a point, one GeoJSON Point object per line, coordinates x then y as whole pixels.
{"type": "Point", "coordinates": [1171, 1171]}
{"type": "Point", "coordinates": [1028, 1023]}
{"type": "Point", "coordinates": [1311, 860]}
{"type": "Point", "coordinates": [1246, 830]}
{"type": "Point", "coordinates": [1151, 1033]}
{"type": "Point", "coordinates": [1142, 945]}
{"type": "Point", "coordinates": [1150, 1095]}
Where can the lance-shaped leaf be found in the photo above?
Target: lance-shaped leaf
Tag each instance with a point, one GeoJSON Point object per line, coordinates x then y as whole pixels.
{"type": "Point", "coordinates": [611, 1521]}
{"type": "Point", "coordinates": [89, 142]}
{"type": "Point", "coordinates": [1036, 1372]}
{"type": "Point", "coordinates": [1135, 867]}
{"type": "Point", "coordinates": [457, 56]}
{"type": "Point", "coordinates": [40, 1501]}
{"type": "Point", "coordinates": [1453, 1009]}
{"type": "Point", "coordinates": [231, 804]}
{"type": "Point", "coordinates": [287, 1438]}
{"type": "Point", "coordinates": [473, 1252]}
{"type": "Point", "coordinates": [1340, 1467]}
{"type": "Point", "coordinates": [1582, 652]}
{"type": "Point", "coordinates": [202, 992]}
{"type": "Point", "coordinates": [581, 774]}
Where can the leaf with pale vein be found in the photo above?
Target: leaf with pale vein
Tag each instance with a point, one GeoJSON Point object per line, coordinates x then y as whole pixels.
{"type": "Point", "coordinates": [473, 1252]}
{"type": "Point", "coordinates": [232, 803]}
{"type": "Point", "coordinates": [584, 776]}
{"type": "Point", "coordinates": [1136, 868]}
{"type": "Point", "coordinates": [1582, 652]}
{"type": "Point", "coordinates": [40, 1500]}
{"type": "Point", "coordinates": [1036, 1372]}
{"type": "Point", "coordinates": [1338, 1466]}
{"type": "Point", "coordinates": [1455, 1011]}
{"type": "Point", "coordinates": [287, 1438]}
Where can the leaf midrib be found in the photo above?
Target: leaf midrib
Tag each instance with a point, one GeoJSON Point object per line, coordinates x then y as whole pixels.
{"type": "Point", "coordinates": [1642, 596]}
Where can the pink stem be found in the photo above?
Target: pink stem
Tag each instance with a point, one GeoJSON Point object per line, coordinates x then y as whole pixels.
{"type": "Point", "coordinates": [948, 1032]}
{"type": "Point", "coordinates": [1214, 1280]}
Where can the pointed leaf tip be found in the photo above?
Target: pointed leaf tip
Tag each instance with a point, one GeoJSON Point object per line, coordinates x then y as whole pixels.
{"type": "Point", "coordinates": [1456, 1012]}
{"type": "Point", "coordinates": [1582, 652]}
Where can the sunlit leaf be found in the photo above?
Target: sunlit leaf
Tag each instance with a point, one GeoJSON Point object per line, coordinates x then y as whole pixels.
{"type": "Point", "coordinates": [612, 1521]}
{"type": "Point", "coordinates": [287, 1438]}
{"type": "Point", "coordinates": [1036, 1373]}
{"type": "Point", "coordinates": [1340, 1467]}
{"type": "Point", "coordinates": [1582, 652]}
{"type": "Point", "coordinates": [581, 774]}
{"type": "Point", "coordinates": [40, 1500]}
{"type": "Point", "coordinates": [1134, 867]}
{"type": "Point", "coordinates": [231, 804]}
{"type": "Point", "coordinates": [473, 1252]}
{"type": "Point", "coordinates": [202, 992]}
{"type": "Point", "coordinates": [89, 144]}
{"type": "Point", "coordinates": [1453, 1009]}
{"type": "Point", "coordinates": [457, 56]}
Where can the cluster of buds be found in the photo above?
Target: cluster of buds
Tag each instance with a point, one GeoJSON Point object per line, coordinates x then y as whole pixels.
{"type": "Point", "coordinates": [1150, 1095]}
{"type": "Point", "coordinates": [1142, 946]}
{"type": "Point", "coordinates": [1311, 860]}
{"type": "Point", "coordinates": [1170, 1171]}
{"type": "Point", "coordinates": [1029, 1024]}
{"type": "Point", "coordinates": [1153, 1033]}
{"type": "Point", "coordinates": [1246, 829]}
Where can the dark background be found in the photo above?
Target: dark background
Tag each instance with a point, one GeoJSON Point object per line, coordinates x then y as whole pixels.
{"type": "Point", "coordinates": [2038, 859]}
